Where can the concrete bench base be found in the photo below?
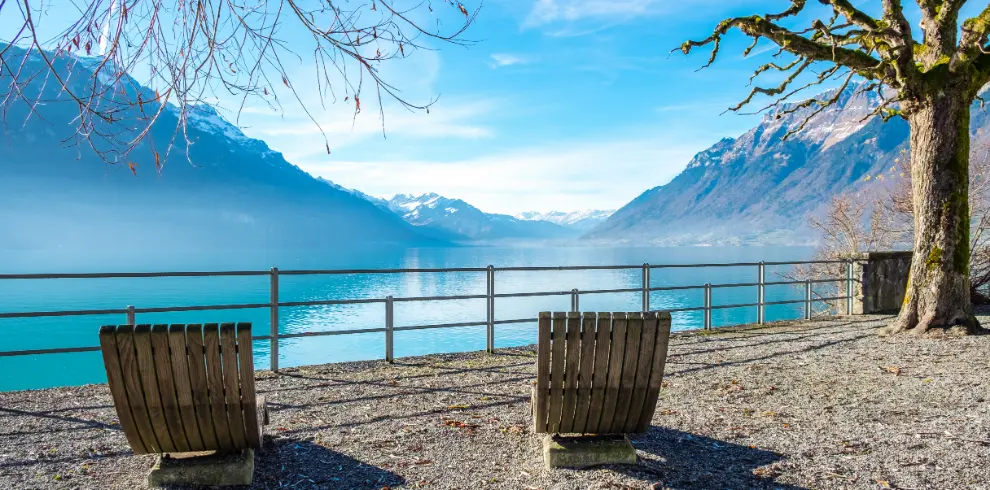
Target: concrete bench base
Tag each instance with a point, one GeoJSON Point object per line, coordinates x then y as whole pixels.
{"type": "Point", "coordinates": [584, 451]}
{"type": "Point", "coordinates": [205, 468]}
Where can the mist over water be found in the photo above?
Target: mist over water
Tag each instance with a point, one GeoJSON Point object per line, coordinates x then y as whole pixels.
{"type": "Point", "coordinates": [29, 372]}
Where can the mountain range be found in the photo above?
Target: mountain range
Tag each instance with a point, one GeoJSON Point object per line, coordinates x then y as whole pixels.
{"type": "Point", "coordinates": [757, 188]}
{"type": "Point", "coordinates": [233, 192]}
{"type": "Point", "coordinates": [456, 220]}
{"type": "Point", "coordinates": [760, 188]}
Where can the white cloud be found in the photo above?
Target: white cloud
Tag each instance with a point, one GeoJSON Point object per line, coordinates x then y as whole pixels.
{"type": "Point", "coordinates": [447, 119]}
{"type": "Point", "coordinates": [506, 59]}
{"type": "Point", "coordinates": [550, 11]}
{"type": "Point", "coordinates": [603, 175]}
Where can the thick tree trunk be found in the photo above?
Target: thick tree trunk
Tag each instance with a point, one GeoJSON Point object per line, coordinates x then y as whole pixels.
{"type": "Point", "coordinates": [938, 295]}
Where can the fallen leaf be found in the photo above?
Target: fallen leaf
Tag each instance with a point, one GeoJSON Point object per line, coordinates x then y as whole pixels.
{"type": "Point", "coordinates": [883, 483]}
{"type": "Point", "coordinates": [458, 407]}
{"type": "Point", "coordinates": [896, 371]}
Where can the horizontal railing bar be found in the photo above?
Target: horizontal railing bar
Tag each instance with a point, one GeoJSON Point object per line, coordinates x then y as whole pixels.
{"type": "Point", "coordinates": [328, 332]}
{"type": "Point", "coordinates": [302, 272]}
{"type": "Point", "coordinates": [813, 281]}
{"type": "Point", "coordinates": [538, 293]}
{"type": "Point", "coordinates": [802, 262]}
{"type": "Point", "coordinates": [442, 325]}
{"type": "Point", "coordinates": [36, 314]}
{"type": "Point", "coordinates": [606, 291]}
{"type": "Point", "coordinates": [314, 272]}
{"type": "Point", "coordinates": [676, 288]}
{"type": "Point", "coordinates": [440, 298]}
{"type": "Point", "coordinates": [517, 320]}
{"type": "Point", "coordinates": [168, 309]}
{"type": "Point", "coordinates": [675, 310]}
{"type": "Point", "coordinates": [735, 285]}
{"type": "Point", "coordinates": [568, 268]}
{"type": "Point", "coordinates": [32, 352]}
{"type": "Point", "coordinates": [326, 302]}
{"type": "Point", "coordinates": [124, 275]}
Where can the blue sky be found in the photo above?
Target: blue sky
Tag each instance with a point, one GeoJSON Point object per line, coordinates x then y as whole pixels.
{"type": "Point", "coordinates": [559, 105]}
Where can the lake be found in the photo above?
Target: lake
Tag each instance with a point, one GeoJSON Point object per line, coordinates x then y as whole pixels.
{"type": "Point", "coordinates": [30, 372]}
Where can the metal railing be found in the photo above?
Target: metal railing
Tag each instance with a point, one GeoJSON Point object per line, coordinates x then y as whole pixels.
{"type": "Point", "coordinates": [274, 303]}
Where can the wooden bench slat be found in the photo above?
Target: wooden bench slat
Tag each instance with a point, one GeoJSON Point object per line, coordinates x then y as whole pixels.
{"type": "Point", "coordinates": [231, 381]}
{"type": "Point", "coordinates": [199, 386]}
{"type": "Point", "coordinates": [617, 349]}
{"type": "Point", "coordinates": [656, 373]}
{"type": "Point", "coordinates": [183, 389]}
{"type": "Point", "coordinates": [571, 371]}
{"type": "Point", "coordinates": [647, 346]}
{"type": "Point", "coordinates": [245, 363]}
{"type": "Point", "coordinates": [634, 330]}
{"type": "Point", "coordinates": [166, 387]}
{"type": "Point", "coordinates": [586, 372]}
{"type": "Point", "coordinates": [149, 383]}
{"type": "Point", "coordinates": [603, 333]}
{"type": "Point", "coordinates": [118, 389]}
{"type": "Point", "coordinates": [556, 372]}
{"type": "Point", "coordinates": [127, 352]}
{"type": "Point", "coordinates": [214, 380]}
{"type": "Point", "coordinates": [542, 373]}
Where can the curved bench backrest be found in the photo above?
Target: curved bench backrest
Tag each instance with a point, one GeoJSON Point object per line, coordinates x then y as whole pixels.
{"type": "Point", "coordinates": [183, 388]}
{"type": "Point", "coordinates": [599, 373]}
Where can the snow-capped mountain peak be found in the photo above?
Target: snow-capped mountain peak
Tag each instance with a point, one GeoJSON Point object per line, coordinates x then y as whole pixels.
{"type": "Point", "coordinates": [585, 219]}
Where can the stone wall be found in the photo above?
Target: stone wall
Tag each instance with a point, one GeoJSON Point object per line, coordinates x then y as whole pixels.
{"type": "Point", "coordinates": [879, 281]}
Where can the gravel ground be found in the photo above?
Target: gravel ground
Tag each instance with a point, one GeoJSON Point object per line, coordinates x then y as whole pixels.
{"type": "Point", "coordinates": [820, 404]}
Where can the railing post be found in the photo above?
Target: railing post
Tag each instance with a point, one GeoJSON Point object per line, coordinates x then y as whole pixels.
{"type": "Point", "coordinates": [761, 294]}
{"type": "Point", "coordinates": [575, 306]}
{"type": "Point", "coordinates": [273, 294]}
{"type": "Point", "coordinates": [389, 326]}
{"type": "Point", "coordinates": [849, 287]}
{"type": "Point", "coordinates": [807, 299]}
{"type": "Point", "coordinates": [490, 328]}
{"type": "Point", "coordinates": [130, 315]}
{"type": "Point", "coordinates": [646, 288]}
{"type": "Point", "coordinates": [708, 306]}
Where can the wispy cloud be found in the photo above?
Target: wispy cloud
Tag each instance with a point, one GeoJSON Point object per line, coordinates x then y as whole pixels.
{"type": "Point", "coordinates": [299, 139]}
{"type": "Point", "coordinates": [506, 59]}
{"type": "Point", "coordinates": [550, 11]}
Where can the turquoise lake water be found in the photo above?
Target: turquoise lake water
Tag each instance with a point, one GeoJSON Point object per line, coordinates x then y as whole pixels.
{"type": "Point", "coordinates": [29, 372]}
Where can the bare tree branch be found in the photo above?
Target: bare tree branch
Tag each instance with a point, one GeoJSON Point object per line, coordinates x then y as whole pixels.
{"type": "Point", "coordinates": [193, 51]}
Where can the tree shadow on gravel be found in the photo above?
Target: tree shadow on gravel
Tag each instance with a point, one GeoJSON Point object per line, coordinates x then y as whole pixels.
{"type": "Point", "coordinates": [691, 461]}
{"type": "Point", "coordinates": [300, 463]}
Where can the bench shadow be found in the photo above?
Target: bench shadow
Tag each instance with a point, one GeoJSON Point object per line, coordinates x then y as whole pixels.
{"type": "Point", "coordinates": [690, 461]}
{"type": "Point", "coordinates": [300, 463]}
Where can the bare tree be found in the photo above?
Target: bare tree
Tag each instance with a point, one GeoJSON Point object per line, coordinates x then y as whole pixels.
{"type": "Point", "coordinates": [879, 217]}
{"type": "Point", "coordinates": [189, 51]}
{"type": "Point", "coordinates": [929, 78]}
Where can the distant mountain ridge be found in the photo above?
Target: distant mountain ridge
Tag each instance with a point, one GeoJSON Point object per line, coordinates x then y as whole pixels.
{"type": "Point", "coordinates": [580, 220]}
{"type": "Point", "coordinates": [237, 193]}
{"type": "Point", "coordinates": [455, 219]}
{"type": "Point", "coordinates": [759, 188]}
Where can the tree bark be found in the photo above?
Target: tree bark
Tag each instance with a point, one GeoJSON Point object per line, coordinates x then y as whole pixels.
{"type": "Point", "coordinates": [938, 294]}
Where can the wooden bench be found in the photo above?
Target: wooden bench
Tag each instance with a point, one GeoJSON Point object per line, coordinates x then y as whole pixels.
{"type": "Point", "coordinates": [184, 388]}
{"type": "Point", "coordinates": [599, 373]}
